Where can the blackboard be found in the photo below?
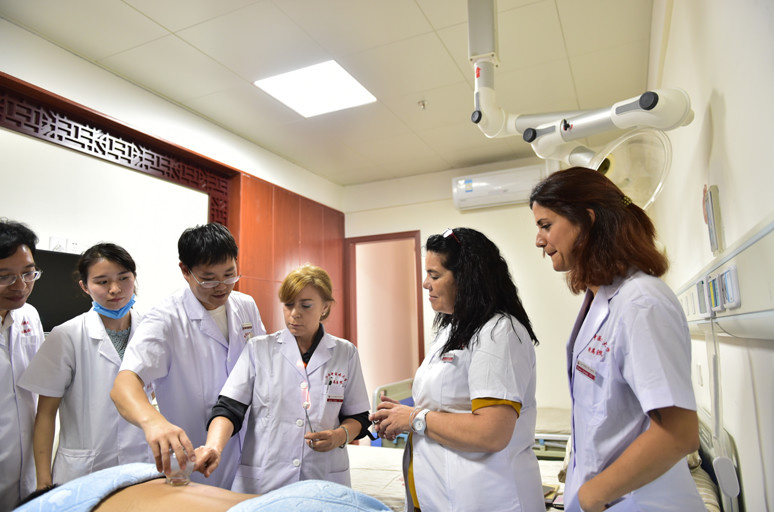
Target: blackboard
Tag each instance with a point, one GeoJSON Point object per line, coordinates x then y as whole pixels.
{"type": "Point", "coordinates": [56, 295]}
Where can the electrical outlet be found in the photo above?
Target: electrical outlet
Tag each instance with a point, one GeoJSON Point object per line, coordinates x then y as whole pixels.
{"type": "Point", "coordinates": [57, 243]}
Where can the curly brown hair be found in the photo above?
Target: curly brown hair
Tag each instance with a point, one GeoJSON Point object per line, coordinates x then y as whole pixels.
{"type": "Point", "coordinates": [620, 235]}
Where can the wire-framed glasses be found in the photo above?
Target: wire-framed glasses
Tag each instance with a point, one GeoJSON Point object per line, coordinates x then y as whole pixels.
{"type": "Point", "coordinates": [27, 277]}
{"type": "Point", "coordinates": [214, 284]}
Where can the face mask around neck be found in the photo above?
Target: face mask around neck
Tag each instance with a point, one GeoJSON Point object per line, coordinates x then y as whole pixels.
{"type": "Point", "coordinates": [113, 313]}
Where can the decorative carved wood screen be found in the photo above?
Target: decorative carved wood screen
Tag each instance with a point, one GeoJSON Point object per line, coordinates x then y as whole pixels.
{"type": "Point", "coordinates": [32, 111]}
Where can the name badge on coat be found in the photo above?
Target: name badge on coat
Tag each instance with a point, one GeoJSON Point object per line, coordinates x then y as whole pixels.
{"type": "Point", "coordinates": [334, 392]}
{"type": "Point", "coordinates": [586, 370]}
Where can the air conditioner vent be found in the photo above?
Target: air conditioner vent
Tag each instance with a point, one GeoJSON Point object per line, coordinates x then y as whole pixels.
{"type": "Point", "coordinates": [495, 188]}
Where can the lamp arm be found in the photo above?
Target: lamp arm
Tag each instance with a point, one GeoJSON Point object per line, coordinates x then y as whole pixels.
{"type": "Point", "coordinates": [552, 134]}
{"type": "Point", "coordinates": [492, 119]}
{"type": "Point", "coordinates": [662, 109]}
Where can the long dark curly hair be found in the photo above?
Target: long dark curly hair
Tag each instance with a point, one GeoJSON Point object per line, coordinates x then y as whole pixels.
{"type": "Point", "coordinates": [484, 285]}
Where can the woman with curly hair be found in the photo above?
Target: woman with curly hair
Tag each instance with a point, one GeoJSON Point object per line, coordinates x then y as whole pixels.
{"type": "Point", "coordinates": [473, 426]}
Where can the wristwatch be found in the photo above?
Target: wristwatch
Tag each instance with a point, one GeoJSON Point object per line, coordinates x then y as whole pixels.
{"type": "Point", "coordinates": [419, 424]}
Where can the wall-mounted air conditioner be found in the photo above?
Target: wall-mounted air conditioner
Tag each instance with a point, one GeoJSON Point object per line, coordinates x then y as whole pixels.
{"type": "Point", "coordinates": [495, 188]}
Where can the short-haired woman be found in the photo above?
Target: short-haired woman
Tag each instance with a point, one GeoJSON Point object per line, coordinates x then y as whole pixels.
{"type": "Point", "coordinates": [307, 394]}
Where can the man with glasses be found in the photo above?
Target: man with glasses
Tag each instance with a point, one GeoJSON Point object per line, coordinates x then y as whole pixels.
{"type": "Point", "coordinates": [186, 347]}
{"type": "Point", "coordinates": [21, 333]}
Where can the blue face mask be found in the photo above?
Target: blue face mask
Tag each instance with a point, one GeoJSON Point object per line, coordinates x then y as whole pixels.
{"type": "Point", "coordinates": [113, 313]}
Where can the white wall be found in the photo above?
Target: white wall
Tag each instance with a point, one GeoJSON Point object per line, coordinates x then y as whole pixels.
{"type": "Point", "coordinates": [32, 59]}
{"type": "Point", "coordinates": [721, 53]}
{"type": "Point", "coordinates": [66, 194]}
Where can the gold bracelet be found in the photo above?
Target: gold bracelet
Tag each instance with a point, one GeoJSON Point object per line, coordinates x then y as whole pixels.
{"type": "Point", "coordinates": [346, 432]}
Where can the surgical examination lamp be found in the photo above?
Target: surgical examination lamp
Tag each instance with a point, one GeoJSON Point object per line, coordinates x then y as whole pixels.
{"type": "Point", "coordinates": [637, 161]}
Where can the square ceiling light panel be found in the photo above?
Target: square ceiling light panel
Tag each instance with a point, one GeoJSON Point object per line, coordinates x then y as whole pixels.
{"type": "Point", "coordinates": [317, 89]}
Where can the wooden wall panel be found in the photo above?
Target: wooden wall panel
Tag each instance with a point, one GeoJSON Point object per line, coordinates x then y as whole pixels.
{"type": "Point", "coordinates": [311, 232]}
{"type": "Point", "coordinates": [333, 263]}
{"type": "Point", "coordinates": [277, 231]}
{"type": "Point", "coordinates": [253, 228]}
{"type": "Point", "coordinates": [256, 229]}
{"type": "Point", "coordinates": [265, 294]}
{"type": "Point", "coordinates": [286, 233]}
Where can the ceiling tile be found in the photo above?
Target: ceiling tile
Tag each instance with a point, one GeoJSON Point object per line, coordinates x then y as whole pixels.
{"type": "Point", "coordinates": [537, 89]}
{"type": "Point", "coordinates": [455, 40]}
{"type": "Point", "coordinates": [413, 167]}
{"type": "Point", "coordinates": [245, 110]}
{"type": "Point", "coordinates": [608, 76]}
{"type": "Point", "coordinates": [327, 159]}
{"type": "Point", "coordinates": [72, 24]}
{"type": "Point", "coordinates": [365, 122]}
{"type": "Point", "coordinates": [404, 67]}
{"type": "Point", "coordinates": [246, 100]}
{"type": "Point", "coordinates": [178, 14]}
{"type": "Point", "coordinates": [507, 5]}
{"type": "Point", "coordinates": [443, 13]}
{"type": "Point", "coordinates": [256, 42]}
{"type": "Point", "coordinates": [346, 26]}
{"type": "Point", "coordinates": [364, 174]}
{"type": "Point", "coordinates": [473, 156]}
{"type": "Point", "coordinates": [388, 151]}
{"type": "Point", "coordinates": [463, 144]}
{"type": "Point", "coordinates": [530, 35]}
{"type": "Point", "coordinates": [444, 105]}
{"type": "Point", "coordinates": [595, 25]}
{"type": "Point", "coordinates": [172, 68]}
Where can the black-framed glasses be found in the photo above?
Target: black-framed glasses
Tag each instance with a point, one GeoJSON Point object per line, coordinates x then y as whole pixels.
{"type": "Point", "coordinates": [214, 284]}
{"type": "Point", "coordinates": [450, 233]}
{"type": "Point", "coordinates": [27, 277]}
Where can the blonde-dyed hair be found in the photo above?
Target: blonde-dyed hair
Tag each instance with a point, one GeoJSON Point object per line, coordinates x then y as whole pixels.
{"type": "Point", "coordinates": [302, 277]}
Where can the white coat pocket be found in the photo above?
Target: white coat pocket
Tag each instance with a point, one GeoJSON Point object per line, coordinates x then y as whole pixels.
{"type": "Point", "coordinates": [590, 389]}
{"type": "Point", "coordinates": [247, 479]}
{"type": "Point", "coordinates": [72, 463]}
{"type": "Point", "coordinates": [333, 399]}
{"type": "Point", "coordinates": [625, 505]}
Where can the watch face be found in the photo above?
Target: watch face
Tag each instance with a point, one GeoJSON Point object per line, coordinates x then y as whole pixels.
{"type": "Point", "coordinates": [419, 425]}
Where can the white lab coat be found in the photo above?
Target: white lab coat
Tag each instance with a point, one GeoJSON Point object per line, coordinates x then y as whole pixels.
{"type": "Point", "coordinates": [19, 340]}
{"type": "Point", "coordinates": [499, 364]}
{"type": "Point", "coordinates": [270, 376]}
{"type": "Point", "coordinates": [179, 349]}
{"type": "Point", "coordinates": [629, 355]}
{"type": "Point", "coordinates": [79, 363]}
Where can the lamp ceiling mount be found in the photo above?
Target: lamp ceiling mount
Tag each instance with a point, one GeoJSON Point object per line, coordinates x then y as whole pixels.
{"type": "Point", "coordinates": [556, 135]}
